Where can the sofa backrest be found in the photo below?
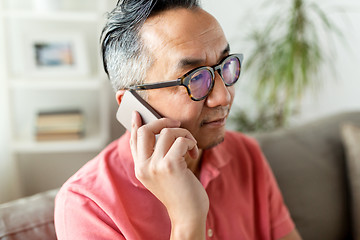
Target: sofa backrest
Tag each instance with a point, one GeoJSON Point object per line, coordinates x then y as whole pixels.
{"type": "Point", "coordinates": [28, 218]}
{"type": "Point", "coordinates": [309, 164]}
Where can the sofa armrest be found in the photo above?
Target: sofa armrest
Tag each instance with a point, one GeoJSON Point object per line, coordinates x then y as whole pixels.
{"type": "Point", "coordinates": [28, 218]}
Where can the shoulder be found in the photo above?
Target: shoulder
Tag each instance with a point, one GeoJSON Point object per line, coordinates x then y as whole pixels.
{"type": "Point", "coordinates": [238, 140]}
{"type": "Point", "coordinates": [244, 151]}
{"type": "Point", "coordinates": [84, 202]}
{"type": "Point", "coordinates": [93, 180]}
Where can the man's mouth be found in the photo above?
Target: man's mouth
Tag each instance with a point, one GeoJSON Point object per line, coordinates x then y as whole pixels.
{"type": "Point", "coordinates": [216, 118]}
{"type": "Point", "coordinates": [220, 121]}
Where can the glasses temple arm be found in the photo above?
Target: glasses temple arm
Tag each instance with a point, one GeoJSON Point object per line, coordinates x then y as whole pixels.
{"type": "Point", "coordinates": [146, 86]}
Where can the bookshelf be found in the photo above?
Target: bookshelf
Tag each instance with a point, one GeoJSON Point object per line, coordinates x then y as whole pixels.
{"type": "Point", "coordinates": [38, 78]}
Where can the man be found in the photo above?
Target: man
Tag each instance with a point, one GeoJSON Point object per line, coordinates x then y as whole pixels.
{"type": "Point", "coordinates": [195, 180]}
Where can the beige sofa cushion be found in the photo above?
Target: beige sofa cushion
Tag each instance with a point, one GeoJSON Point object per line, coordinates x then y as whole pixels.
{"type": "Point", "coordinates": [351, 138]}
{"type": "Point", "coordinates": [310, 166]}
{"type": "Point", "coordinates": [28, 218]}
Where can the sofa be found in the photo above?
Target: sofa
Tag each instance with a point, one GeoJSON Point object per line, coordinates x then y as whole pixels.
{"type": "Point", "coordinates": [309, 162]}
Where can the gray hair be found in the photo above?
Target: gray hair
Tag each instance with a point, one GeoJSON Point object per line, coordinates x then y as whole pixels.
{"type": "Point", "coordinates": [125, 57]}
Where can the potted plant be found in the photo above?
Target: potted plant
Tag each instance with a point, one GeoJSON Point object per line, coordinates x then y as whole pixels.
{"type": "Point", "coordinates": [284, 63]}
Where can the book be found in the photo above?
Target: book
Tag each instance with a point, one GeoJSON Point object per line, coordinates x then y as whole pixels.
{"type": "Point", "coordinates": [59, 117]}
{"type": "Point", "coordinates": [58, 136]}
{"type": "Point", "coordinates": [66, 126]}
{"type": "Point", "coordinates": [59, 125]}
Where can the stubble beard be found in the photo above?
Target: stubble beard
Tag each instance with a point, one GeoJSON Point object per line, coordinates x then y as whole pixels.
{"type": "Point", "coordinates": [221, 137]}
{"type": "Point", "coordinates": [215, 143]}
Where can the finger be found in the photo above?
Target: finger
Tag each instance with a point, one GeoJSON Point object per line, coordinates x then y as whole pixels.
{"type": "Point", "coordinates": [194, 152]}
{"type": "Point", "coordinates": [156, 126]}
{"type": "Point", "coordinates": [166, 139]}
{"type": "Point", "coordinates": [179, 149]}
{"type": "Point", "coordinates": [135, 124]}
{"type": "Point", "coordinates": [146, 136]}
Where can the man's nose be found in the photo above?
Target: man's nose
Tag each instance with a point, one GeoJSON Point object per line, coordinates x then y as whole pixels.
{"type": "Point", "coordinates": [220, 95]}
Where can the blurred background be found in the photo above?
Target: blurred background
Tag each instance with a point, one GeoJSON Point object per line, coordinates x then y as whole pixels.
{"type": "Point", "coordinates": [57, 109]}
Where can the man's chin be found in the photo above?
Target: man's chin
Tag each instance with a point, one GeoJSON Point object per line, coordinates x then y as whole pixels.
{"type": "Point", "coordinates": [208, 138]}
{"type": "Point", "coordinates": [215, 143]}
{"type": "Point", "coordinates": [212, 140]}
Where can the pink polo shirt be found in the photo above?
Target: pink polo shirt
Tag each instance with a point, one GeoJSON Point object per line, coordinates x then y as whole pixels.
{"type": "Point", "coordinates": [104, 200]}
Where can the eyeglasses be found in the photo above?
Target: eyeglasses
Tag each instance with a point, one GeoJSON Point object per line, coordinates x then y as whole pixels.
{"type": "Point", "coordinates": [200, 81]}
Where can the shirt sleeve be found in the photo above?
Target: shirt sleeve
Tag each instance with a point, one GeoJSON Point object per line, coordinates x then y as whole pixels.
{"type": "Point", "coordinates": [281, 222]}
{"type": "Point", "coordinates": [78, 217]}
{"type": "Point", "coordinates": [278, 214]}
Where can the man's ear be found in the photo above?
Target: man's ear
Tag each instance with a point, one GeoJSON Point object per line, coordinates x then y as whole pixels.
{"type": "Point", "coordinates": [119, 95]}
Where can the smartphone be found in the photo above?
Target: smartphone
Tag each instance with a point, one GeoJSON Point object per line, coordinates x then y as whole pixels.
{"type": "Point", "coordinates": [131, 101]}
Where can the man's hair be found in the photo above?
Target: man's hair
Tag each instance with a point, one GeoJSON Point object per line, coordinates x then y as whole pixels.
{"type": "Point", "coordinates": [125, 58]}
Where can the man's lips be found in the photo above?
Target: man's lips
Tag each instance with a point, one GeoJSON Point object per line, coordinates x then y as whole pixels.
{"type": "Point", "coordinates": [217, 117]}
{"type": "Point", "coordinates": [215, 121]}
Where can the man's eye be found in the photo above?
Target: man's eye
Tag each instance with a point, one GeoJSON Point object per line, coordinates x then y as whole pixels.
{"type": "Point", "coordinates": [197, 77]}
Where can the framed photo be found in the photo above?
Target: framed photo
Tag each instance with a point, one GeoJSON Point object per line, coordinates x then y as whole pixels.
{"type": "Point", "coordinates": [56, 55]}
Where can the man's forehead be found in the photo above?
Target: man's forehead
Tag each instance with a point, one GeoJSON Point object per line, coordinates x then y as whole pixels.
{"type": "Point", "coordinates": [183, 31]}
{"type": "Point", "coordinates": [187, 62]}
{"type": "Point", "coordinates": [180, 14]}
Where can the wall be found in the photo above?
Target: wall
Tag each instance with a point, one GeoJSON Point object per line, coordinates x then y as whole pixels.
{"type": "Point", "coordinates": [338, 92]}
{"type": "Point", "coordinates": [9, 185]}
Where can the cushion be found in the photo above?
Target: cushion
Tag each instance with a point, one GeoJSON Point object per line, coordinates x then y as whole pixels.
{"type": "Point", "coordinates": [351, 139]}
{"type": "Point", "coordinates": [28, 218]}
{"type": "Point", "coordinates": [310, 166]}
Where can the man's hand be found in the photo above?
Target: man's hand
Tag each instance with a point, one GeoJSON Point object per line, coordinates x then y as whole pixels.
{"type": "Point", "coordinates": [161, 167]}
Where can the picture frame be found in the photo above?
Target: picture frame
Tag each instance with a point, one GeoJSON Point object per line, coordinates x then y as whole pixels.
{"type": "Point", "coordinates": [56, 55]}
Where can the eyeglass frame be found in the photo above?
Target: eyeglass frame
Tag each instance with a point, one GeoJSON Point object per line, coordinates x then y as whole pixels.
{"type": "Point", "coordinates": [185, 79]}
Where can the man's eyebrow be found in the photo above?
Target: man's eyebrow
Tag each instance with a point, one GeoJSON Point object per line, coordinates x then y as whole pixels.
{"type": "Point", "coordinates": [194, 62]}
{"type": "Point", "coordinates": [226, 50]}
{"type": "Point", "coordinates": [189, 62]}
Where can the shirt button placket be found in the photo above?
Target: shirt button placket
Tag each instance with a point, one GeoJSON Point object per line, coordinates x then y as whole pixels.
{"type": "Point", "coordinates": [209, 227]}
{"type": "Point", "coordinates": [210, 233]}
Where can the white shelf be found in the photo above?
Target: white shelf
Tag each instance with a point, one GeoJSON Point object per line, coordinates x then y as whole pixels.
{"type": "Point", "coordinates": [89, 143]}
{"type": "Point", "coordinates": [55, 16]}
{"type": "Point", "coordinates": [48, 84]}
{"type": "Point", "coordinates": [88, 92]}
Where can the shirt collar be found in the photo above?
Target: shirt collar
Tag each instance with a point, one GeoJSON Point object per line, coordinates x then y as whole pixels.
{"type": "Point", "coordinates": [213, 160]}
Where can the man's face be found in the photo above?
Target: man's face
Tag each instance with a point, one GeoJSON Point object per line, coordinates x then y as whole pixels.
{"type": "Point", "coordinates": [180, 40]}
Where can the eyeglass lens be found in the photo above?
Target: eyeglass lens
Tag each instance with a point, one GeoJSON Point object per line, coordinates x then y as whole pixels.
{"type": "Point", "coordinates": [201, 81]}
{"type": "Point", "coordinates": [231, 71]}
